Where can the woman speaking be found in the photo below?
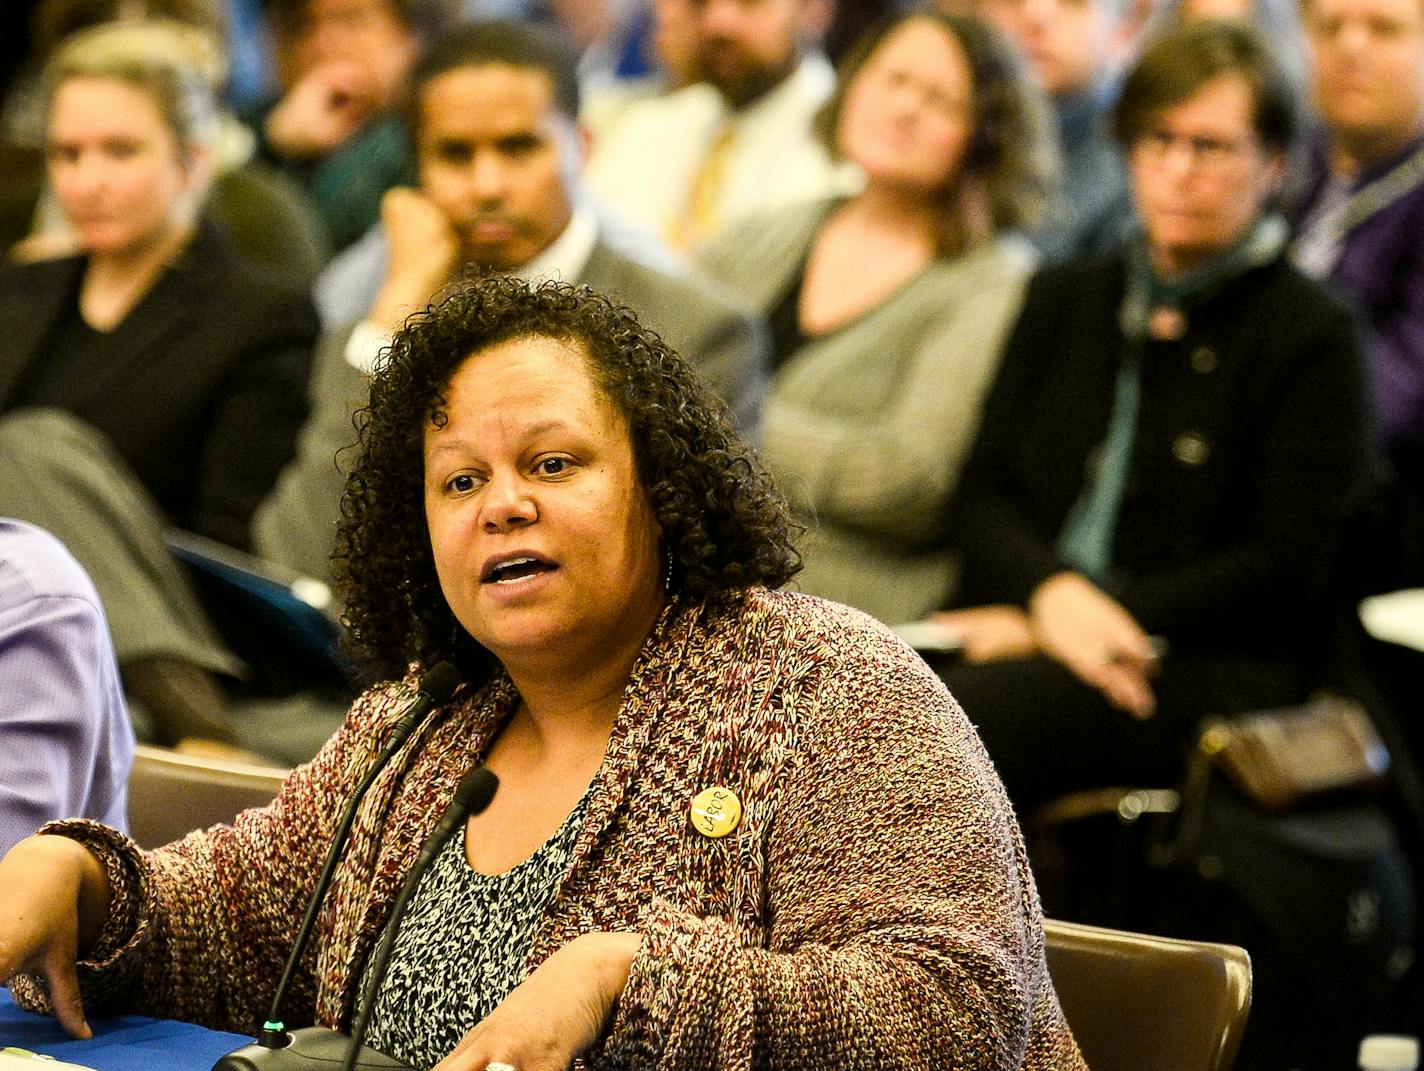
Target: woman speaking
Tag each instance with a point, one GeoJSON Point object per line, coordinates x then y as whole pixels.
{"type": "Point", "coordinates": [547, 498]}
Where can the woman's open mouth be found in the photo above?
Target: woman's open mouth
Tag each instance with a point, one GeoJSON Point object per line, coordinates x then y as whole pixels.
{"type": "Point", "coordinates": [514, 568]}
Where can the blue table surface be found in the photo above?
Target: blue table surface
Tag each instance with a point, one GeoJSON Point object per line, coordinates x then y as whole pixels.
{"type": "Point", "coordinates": [120, 1042]}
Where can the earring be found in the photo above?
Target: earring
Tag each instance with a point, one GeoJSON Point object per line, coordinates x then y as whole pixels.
{"type": "Point", "coordinates": [667, 571]}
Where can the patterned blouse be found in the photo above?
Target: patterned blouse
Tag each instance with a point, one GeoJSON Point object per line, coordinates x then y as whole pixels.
{"type": "Point", "coordinates": [462, 948]}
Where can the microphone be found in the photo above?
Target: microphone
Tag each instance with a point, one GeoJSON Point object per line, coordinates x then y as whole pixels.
{"type": "Point", "coordinates": [274, 1048]}
{"type": "Point", "coordinates": [471, 797]}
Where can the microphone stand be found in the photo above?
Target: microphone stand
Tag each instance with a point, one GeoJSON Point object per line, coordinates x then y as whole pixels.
{"type": "Point", "coordinates": [472, 797]}
{"type": "Point", "coordinates": [276, 1048]}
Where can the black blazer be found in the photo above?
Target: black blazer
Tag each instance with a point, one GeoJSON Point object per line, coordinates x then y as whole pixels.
{"type": "Point", "coordinates": [1253, 445]}
{"type": "Point", "coordinates": [205, 390]}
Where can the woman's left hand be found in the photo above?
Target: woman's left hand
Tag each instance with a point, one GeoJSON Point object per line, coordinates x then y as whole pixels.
{"type": "Point", "coordinates": [554, 1014]}
{"type": "Point", "coordinates": [1079, 625]}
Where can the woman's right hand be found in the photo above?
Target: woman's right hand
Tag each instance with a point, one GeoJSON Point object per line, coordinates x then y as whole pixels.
{"type": "Point", "coordinates": [55, 902]}
{"type": "Point", "coordinates": [990, 633]}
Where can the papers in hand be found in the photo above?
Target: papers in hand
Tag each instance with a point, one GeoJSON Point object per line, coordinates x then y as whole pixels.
{"type": "Point", "coordinates": [12, 1059]}
{"type": "Point", "coordinates": [1396, 618]}
{"type": "Point", "coordinates": [930, 636]}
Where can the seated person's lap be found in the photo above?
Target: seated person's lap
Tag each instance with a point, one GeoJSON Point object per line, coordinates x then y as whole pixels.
{"type": "Point", "coordinates": [1048, 734]}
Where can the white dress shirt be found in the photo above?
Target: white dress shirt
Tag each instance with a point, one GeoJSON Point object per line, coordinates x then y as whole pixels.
{"type": "Point", "coordinates": [646, 166]}
{"type": "Point", "coordinates": [564, 259]}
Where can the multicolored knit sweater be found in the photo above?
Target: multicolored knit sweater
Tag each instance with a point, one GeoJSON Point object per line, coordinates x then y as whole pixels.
{"type": "Point", "coordinates": [873, 909]}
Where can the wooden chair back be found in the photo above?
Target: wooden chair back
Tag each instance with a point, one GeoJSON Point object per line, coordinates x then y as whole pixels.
{"type": "Point", "coordinates": [171, 794]}
{"type": "Point", "coordinates": [1135, 1001]}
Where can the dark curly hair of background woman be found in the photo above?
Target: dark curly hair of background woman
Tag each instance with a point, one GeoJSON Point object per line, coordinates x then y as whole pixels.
{"type": "Point", "coordinates": [725, 524]}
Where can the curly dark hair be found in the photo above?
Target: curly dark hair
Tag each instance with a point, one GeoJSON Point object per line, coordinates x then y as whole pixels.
{"type": "Point", "coordinates": [725, 525]}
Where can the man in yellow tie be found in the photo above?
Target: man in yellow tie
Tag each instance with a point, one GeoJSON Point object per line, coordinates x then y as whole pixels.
{"type": "Point", "coordinates": [682, 166]}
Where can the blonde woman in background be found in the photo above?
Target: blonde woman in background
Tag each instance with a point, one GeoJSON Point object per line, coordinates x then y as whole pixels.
{"type": "Point", "coordinates": [153, 378]}
{"type": "Point", "coordinates": [267, 217]}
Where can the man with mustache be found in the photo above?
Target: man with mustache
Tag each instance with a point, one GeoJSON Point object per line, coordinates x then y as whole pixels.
{"type": "Point", "coordinates": [739, 139]}
{"type": "Point", "coordinates": [499, 151]}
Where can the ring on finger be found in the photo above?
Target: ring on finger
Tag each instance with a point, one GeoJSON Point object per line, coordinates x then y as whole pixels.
{"type": "Point", "coordinates": [500, 1065]}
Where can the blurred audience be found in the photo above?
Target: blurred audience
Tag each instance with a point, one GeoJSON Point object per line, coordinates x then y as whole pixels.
{"type": "Point", "coordinates": [499, 152]}
{"type": "Point", "coordinates": [608, 36]}
{"type": "Point", "coordinates": [251, 78]}
{"type": "Point", "coordinates": [1173, 444]}
{"type": "Point", "coordinates": [343, 67]}
{"type": "Point", "coordinates": [671, 48]}
{"type": "Point", "coordinates": [889, 309]}
{"type": "Point", "coordinates": [1074, 47]}
{"type": "Point", "coordinates": [264, 214]}
{"type": "Point", "coordinates": [68, 741]}
{"type": "Point", "coordinates": [673, 41]}
{"type": "Point", "coordinates": [1362, 227]}
{"type": "Point", "coordinates": [152, 378]}
{"type": "Point", "coordinates": [1277, 21]}
{"type": "Point", "coordinates": [684, 165]}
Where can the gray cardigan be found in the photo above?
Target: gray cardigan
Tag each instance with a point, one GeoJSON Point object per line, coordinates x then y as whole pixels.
{"type": "Point", "coordinates": [867, 425]}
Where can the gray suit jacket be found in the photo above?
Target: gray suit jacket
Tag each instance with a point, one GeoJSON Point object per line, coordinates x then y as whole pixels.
{"type": "Point", "coordinates": [296, 525]}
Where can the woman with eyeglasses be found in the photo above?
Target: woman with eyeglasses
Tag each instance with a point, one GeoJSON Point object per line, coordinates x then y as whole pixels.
{"type": "Point", "coordinates": [1168, 455]}
{"type": "Point", "coordinates": [889, 309]}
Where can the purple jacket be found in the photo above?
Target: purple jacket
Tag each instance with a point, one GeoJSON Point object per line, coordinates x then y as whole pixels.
{"type": "Point", "coordinates": [1380, 269]}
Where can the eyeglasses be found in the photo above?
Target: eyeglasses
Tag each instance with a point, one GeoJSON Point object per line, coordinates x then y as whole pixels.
{"type": "Point", "coordinates": [1206, 153]}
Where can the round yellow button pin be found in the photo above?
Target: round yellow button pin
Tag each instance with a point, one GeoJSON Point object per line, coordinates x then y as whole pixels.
{"type": "Point", "coordinates": [716, 811]}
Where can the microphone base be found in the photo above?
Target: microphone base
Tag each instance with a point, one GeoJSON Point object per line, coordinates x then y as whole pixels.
{"type": "Point", "coordinates": [312, 1048]}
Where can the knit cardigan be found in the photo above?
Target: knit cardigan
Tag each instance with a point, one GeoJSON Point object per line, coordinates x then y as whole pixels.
{"type": "Point", "coordinates": [874, 908]}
